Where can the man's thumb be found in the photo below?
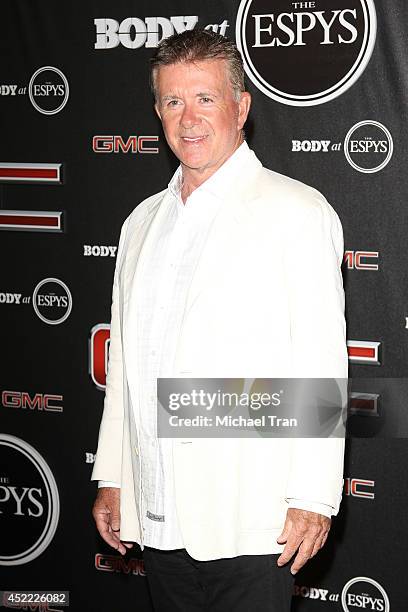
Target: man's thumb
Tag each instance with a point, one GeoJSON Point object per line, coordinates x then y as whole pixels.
{"type": "Point", "coordinates": [284, 535]}
{"type": "Point", "coordinates": [115, 521]}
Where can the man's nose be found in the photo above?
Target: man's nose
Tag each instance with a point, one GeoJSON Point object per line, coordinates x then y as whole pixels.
{"type": "Point", "coordinates": [189, 118]}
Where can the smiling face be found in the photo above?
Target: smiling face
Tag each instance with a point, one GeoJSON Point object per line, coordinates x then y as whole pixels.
{"type": "Point", "coordinates": [201, 119]}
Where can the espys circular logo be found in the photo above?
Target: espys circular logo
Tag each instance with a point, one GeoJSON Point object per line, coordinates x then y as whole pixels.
{"type": "Point", "coordinates": [304, 57]}
{"type": "Point", "coordinates": [368, 146]}
{"type": "Point", "coordinates": [366, 593]}
{"type": "Point", "coordinates": [52, 301]}
{"type": "Point", "coordinates": [29, 502]}
{"type": "Point", "coordinates": [48, 90]}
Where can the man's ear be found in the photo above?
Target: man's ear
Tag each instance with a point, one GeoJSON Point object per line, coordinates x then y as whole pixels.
{"type": "Point", "coordinates": [244, 105]}
{"type": "Point", "coordinates": [156, 108]}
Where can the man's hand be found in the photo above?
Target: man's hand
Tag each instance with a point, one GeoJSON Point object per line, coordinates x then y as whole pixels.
{"type": "Point", "coordinates": [304, 532]}
{"type": "Point", "coordinates": [106, 512]}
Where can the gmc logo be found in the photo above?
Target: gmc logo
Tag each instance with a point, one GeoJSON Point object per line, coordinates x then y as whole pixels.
{"type": "Point", "coordinates": [111, 563]}
{"type": "Point", "coordinates": [98, 354]}
{"type": "Point", "coordinates": [39, 401]}
{"type": "Point", "coordinates": [356, 487]}
{"type": "Point", "coordinates": [116, 144]}
{"type": "Point", "coordinates": [37, 607]}
{"type": "Point", "coordinates": [361, 260]}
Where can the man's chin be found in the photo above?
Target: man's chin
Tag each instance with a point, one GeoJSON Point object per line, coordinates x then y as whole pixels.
{"type": "Point", "coordinates": [193, 164]}
{"type": "Point", "coordinates": [193, 157]}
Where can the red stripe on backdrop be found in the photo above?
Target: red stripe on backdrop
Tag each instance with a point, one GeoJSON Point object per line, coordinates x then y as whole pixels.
{"type": "Point", "coordinates": [27, 220]}
{"type": "Point", "coordinates": [361, 351]}
{"type": "Point", "coordinates": [34, 173]}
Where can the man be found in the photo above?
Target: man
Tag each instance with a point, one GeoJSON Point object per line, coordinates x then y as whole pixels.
{"type": "Point", "coordinates": [232, 271]}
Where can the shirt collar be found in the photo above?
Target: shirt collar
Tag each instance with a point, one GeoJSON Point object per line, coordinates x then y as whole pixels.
{"type": "Point", "coordinates": [219, 183]}
{"type": "Point", "coordinates": [176, 183]}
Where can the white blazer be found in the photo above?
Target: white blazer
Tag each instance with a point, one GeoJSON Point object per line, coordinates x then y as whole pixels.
{"type": "Point", "coordinates": [266, 300]}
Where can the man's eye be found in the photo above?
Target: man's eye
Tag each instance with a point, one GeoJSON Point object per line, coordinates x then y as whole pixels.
{"type": "Point", "coordinates": [206, 99]}
{"type": "Point", "coordinates": [172, 103]}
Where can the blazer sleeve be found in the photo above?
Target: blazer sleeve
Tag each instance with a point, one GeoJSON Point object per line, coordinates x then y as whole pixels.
{"type": "Point", "coordinates": [108, 462]}
{"type": "Point", "coordinates": [318, 340]}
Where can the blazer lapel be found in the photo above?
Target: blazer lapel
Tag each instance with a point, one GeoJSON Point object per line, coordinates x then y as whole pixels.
{"type": "Point", "coordinates": [137, 233]}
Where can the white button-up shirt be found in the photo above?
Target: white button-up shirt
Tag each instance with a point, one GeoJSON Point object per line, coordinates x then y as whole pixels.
{"type": "Point", "coordinates": [168, 259]}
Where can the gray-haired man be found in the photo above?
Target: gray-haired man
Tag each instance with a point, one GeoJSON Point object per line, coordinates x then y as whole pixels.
{"type": "Point", "coordinates": [212, 280]}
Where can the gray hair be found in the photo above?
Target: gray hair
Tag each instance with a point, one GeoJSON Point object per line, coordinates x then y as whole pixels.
{"type": "Point", "coordinates": [195, 46]}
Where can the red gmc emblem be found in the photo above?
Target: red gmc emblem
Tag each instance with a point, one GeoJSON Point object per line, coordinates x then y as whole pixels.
{"type": "Point", "coordinates": [356, 487]}
{"type": "Point", "coordinates": [361, 260]}
{"type": "Point", "coordinates": [98, 354]}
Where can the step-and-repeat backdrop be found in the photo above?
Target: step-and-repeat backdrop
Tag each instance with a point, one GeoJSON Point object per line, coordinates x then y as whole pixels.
{"type": "Point", "coordinates": [80, 147]}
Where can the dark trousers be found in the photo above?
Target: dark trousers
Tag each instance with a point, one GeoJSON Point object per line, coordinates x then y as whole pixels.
{"type": "Point", "coordinates": [248, 583]}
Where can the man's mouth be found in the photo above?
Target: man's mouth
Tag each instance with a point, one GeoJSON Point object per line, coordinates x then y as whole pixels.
{"type": "Point", "coordinates": [193, 139]}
